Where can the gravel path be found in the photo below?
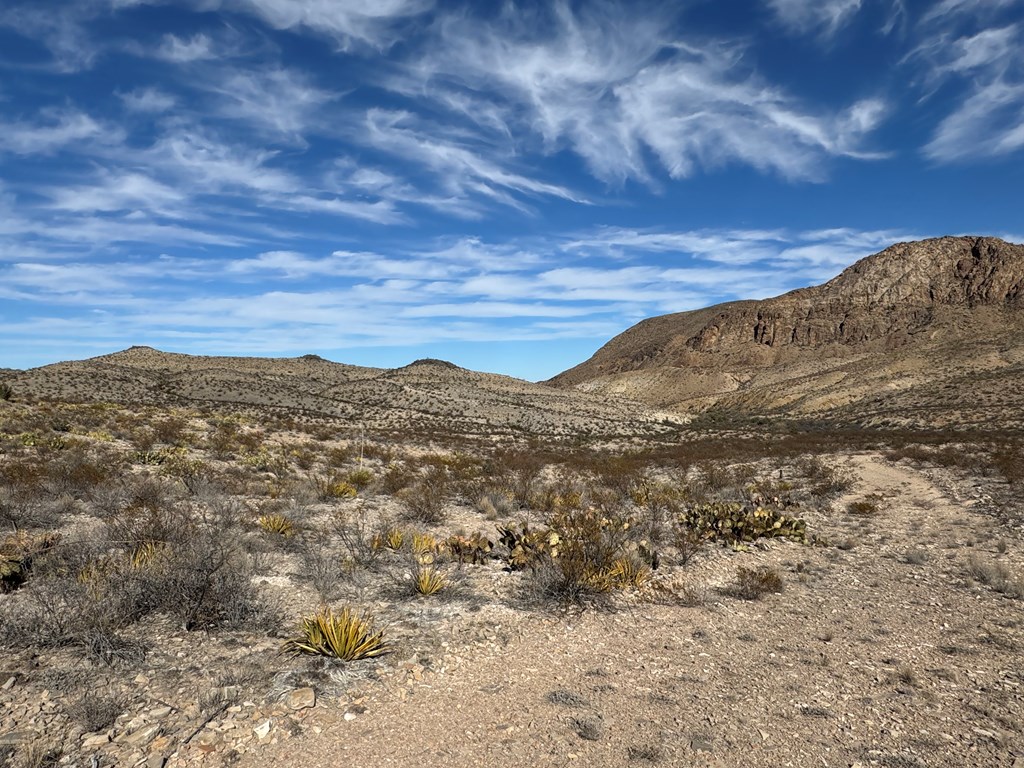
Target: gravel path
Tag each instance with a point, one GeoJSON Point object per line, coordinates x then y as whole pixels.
{"type": "Point", "coordinates": [879, 651]}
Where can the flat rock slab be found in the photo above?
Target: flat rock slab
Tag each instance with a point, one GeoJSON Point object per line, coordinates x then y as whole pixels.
{"type": "Point", "coordinates": [300, 698]}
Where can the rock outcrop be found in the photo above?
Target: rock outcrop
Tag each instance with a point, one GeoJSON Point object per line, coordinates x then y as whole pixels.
{"type": "Point", "coordinates": [953, 303]}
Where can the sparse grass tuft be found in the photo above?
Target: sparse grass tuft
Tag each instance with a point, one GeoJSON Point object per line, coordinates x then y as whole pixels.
{"type": "Point", "coordinates": [755, 583]}
{"type": "Point", "coordinates": [866, 507]}
{"type": "Point", "coordinates": [997, 576]}
{"type": "Point", "coordinates": [95, 711]}
{"type": "Point", "coordinates": [346, 636]}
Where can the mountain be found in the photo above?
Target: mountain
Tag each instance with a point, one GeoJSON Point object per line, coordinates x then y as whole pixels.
{"type": "Point", "coordinates": [924, 334]}
{"type": "Point", "coordinates": [427, 396]}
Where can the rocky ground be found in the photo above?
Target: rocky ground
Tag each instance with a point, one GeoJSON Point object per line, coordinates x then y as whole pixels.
{"type": "Point", "coordinates": [879, 651]}
{"type": "Point", "coordinates": [885, 647]}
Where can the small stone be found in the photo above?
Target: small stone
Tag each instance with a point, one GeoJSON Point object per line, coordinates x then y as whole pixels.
{"type": "Point", "coordinates": [263, 729]}
{"type": "Point", "coordinates": [14, 738]}
{"type": "Point", "coordinates": [143, 736]}
{"type": "Point", "coordinates": [159, 713]}
{"type": "Point", "coordinates": [156, 761]}
{"type": "Point", "coordinates": [9, 683]}
{"type": "Point", "coordinates": [698, 744]}
{"type": "Point", "coordinates": [350, 716]}
{"type": "Point", "coordinates": [300, 698]}
{"type": "Point", "coordinates": [92, 740]}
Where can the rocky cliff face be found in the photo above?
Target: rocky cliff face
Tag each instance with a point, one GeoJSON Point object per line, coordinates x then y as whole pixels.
{"type": "Point", "coordinates": [912, 298]}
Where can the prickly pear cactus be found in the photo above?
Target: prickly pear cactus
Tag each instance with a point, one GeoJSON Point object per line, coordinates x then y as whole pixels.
{"type": "Point", "coordinates": [733, 523]}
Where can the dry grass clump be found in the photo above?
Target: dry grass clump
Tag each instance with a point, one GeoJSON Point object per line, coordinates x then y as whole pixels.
{"type": "Point", "coordinates": [346, 636]}
{"type": "Point", "coordinates": [865, 507]}
{"type": "Point", "coordinates": [96, 711]}
{"type": "Point", "coordinates": [997, 576]}
{"type": "Point", "coordinates": [424, 501]}
{"type": "Point", "coordinates": [755, 583]}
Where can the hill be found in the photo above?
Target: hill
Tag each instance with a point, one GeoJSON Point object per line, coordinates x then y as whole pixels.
{"type": "Point", "coordinates": [425, 396]}
{"type": "Point", "coordinates": [924, 334]}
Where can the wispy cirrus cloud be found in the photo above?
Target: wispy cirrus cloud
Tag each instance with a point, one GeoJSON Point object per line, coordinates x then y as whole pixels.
{"type": "Point", "coordinates": [54, 130]}
{"type": "Point", "coordinates": [462, 170]}
{"type": "Point", "coordinates": [614, 87]}
{"type": "Point", "coordinates": [823, 17]}
{"type": "Point", "coordinates": [372, 22]}
{"type": "Point", "coordinates": [979, 49]}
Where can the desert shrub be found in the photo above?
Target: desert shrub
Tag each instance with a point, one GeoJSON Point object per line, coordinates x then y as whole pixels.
{"type": "Point", "coordinates": [18, 553]}
{"type": "Point", "coordinates": [346, 635]}
{"type": "Point", "coordinates": [172, 430]}
{"type": "Point", "coordinates": [424, 501]}
{"type": "Point", "coordinates": [332, 487]}
{"type": "Point", "coordinates": [521, 471]}
{"type": "Point", "coordinates": [1009, 460]}
{"type": "Point", "coordinates": [6, 391]}
{"type": "Point", "coordinates": [495, 505]}
{"type": "Point", "coordinates": [39, 752]}
{"type": "Point", "coordinates": [355, 532]}
{"type": "Point", "coordinates": [76, 473]}
{"type": "Point", "coordinates": [95, 711]}
{"type": "Point", "coordinates": [688, 544]}
{"type": "Point", "coordinates": [997, 576]}
{"type": "Point", "coordinates": [825, 480]}
{"type": "Point", "coordinates": [192, 567]}
{"type": "Point", "coordinates": [360, 478]}
{"type": "Point", "coordinates": [326, 567]}
{"type": "Point", "coordinates": [866, 507]}
{"type": "Point", "coordinates": [577, 560]}
{"type": "Point", "coordinates": [755, 583]}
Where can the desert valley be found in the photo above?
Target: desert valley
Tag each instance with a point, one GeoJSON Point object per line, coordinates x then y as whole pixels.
{"type": "Point", "coordinates": [785, 532]}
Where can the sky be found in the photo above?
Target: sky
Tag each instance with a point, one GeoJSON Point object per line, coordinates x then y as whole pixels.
{"type": "Point", "coordinates": [503, 185]}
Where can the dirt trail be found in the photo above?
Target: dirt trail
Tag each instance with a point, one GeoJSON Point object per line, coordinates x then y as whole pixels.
{"type": "Point", "coordinates": [880, 651]}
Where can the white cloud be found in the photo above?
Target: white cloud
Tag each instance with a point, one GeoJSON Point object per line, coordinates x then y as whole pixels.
{"type": "Point", "coordinates": [613, 86]}
{"type": "Point", "coordinates": [988, 66]}
{"type": "Point", "coordinates": [365, 21]}
{"type": "Point", "coordinates": [199, 47]}
{"type": "Point", "coordinates": [461, 171]}
{"type": "Point", "coordinates": [58, 130]}
{"type": "Point", "coordinates": [820, 16]}
{"type": "Point", "coordinates": [151, 100]}
{"type": "Point", "coordinates": [278, 100]}
{"type": "Point", "coordinates": [987, 124]}
{"type": "Point", "coordinates": [120, 191]}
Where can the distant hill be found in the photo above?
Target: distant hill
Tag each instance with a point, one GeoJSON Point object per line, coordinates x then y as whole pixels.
{"type": "Point", "coordinates": [425, 396]}
{"type": "Point", "coordinates": [926, 334]}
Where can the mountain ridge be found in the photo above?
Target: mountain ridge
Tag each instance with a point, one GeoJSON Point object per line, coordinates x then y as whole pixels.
{"type": "Point", "coordinates": [874, 329]}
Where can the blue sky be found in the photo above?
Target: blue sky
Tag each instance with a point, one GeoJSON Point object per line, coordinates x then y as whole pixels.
{"type": "Point", "coordinates": [503, 185]}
